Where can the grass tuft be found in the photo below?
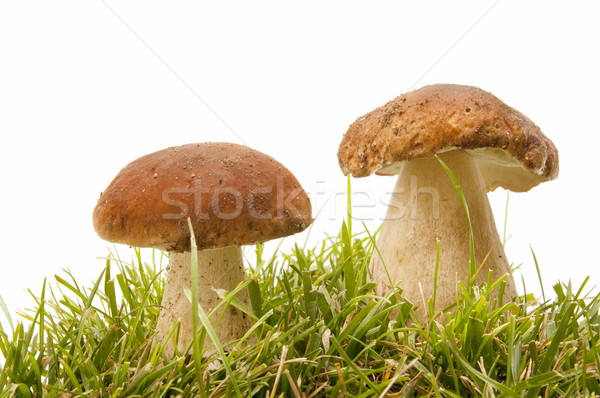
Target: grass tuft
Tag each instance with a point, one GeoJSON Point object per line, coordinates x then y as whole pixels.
{"type": "Point", "coordinates": [320, 331]}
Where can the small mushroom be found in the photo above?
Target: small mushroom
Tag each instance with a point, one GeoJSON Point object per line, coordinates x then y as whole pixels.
{"type": "Point", "coordinates": [233, 196]}
{"type": "Point", "coordinates": [485, 143]}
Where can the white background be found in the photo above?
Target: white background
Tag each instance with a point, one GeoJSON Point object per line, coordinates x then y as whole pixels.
{"type": "Point", "coordinates": [88, 86]}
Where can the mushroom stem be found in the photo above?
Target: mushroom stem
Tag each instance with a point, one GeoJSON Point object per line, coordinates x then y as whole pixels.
{"type": "Point", "coordinates": [218, 269]}
{"type": "Point", "coordinates": [424, 209]}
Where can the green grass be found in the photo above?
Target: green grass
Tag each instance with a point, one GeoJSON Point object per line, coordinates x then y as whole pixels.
{"type": "Point", "coordinates": [319, 331]}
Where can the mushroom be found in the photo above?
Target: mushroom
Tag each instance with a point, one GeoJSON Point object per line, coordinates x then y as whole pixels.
{"type": "Point", "coordinates": [485, 143]}
{"type": "Point", "coordinates": [233, 196]}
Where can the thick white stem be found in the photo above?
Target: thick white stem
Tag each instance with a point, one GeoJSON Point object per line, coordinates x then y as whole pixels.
{"type": "Point", "coordinates": [425, 208]}
{"type": "Point", "coordinates": [218, 269]}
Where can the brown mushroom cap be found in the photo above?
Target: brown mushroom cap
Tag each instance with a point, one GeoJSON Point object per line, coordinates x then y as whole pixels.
{"type": "Point", "coordinates": [234, 195]}
{"type": "Point", "coordinates": [512, 151]}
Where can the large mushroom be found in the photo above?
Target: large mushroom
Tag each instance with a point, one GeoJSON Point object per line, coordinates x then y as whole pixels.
{"type": "Point", "coordinates": [233, 196]}
{"type": "Point", "coordinates": [485, 143]}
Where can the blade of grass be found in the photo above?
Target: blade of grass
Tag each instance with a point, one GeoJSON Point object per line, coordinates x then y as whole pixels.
{"type": "Point", "coordinates": [506, 391]}
{"type": "Point", "coordinates": [7, 314]}
{"type": "Point", "coordinates": [539, 274]}
{"type": "Point", "coordinates": [432, 300]}
{"type": "Point", "coordinates": [109, 290]}
{"type": "Point", "coordinates": [351, 364]}
{"type": "Point", "coordinates": [215, 339]}
{"type": "Point", "coordinates": [194, 300]}
{"type": "Point", "coordinates": [349, 204]}
{"type": "Point", "coordinates": [552, 350]}
{"type": "Point", "coordinates": [255, 297]}
{"type": "Point", "coordinates": [504, 238]}
{"type": "Point", "coordinates": [463, 202]}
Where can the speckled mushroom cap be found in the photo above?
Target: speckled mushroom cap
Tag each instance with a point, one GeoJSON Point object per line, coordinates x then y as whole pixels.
{"type": "Point", "coordinates": [511, 150]}
{"type": "Point", "coordinates": [234, 195]}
